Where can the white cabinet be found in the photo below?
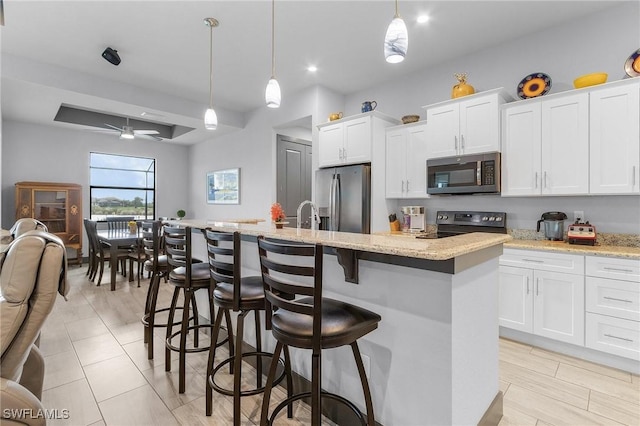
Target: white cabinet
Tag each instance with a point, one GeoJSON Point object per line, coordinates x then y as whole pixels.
{"type": "Point", "coordinates": [572, 143]}
{"type": "Point", "coordinates": [406, 161]}
{"type": "Point", "coordinates": [536, 298]}
{"type": "Point", "coordinates": [468, 125]}
{"type": "Point", "coordinates": [613, 306]}
{"type": "Point", "coordinates": [614, 135]}
{"type": "Point", "coordinates": [349, 140]}
{"type": "Point", "coordinates": [545, 147]}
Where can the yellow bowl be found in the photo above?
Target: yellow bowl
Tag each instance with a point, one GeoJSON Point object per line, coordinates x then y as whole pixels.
{"type": "Point", "coordinates": [590, 80]}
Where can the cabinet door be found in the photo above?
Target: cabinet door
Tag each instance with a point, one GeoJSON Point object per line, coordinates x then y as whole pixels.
{"type": "Point", "coordinates": [479, 125]}
{"type": "Point", "coordinates": [558, 307]}
{"type": "Point", "coordinates": [74, 215]}
{"type": "Point", "coordinates": [395, 163]}
{"type": "Point", "coordinates": [515, 309]}
{"type": "Point", "coordinates": [521, 150]}
{"type": "Point", "coordinates": [443, 129]}
{"type": "Point", "coordinates": [565, 145]}
{"type": "Point", "coordinates": [416, 175]}
{"type": "Point", "coordinates": [357, 141]}
{"type": "Point", "coordinates": [614, 135]}
{"type": "Point", "coordinates": [330, 140]}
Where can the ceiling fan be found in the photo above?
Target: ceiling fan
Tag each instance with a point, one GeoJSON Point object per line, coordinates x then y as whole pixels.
{"type": "Point", "coordinates": [128, 132]}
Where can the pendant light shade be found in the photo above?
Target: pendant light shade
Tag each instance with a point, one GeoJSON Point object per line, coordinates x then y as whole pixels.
{"type": "Point", "coordinates": [272, 93]}
{"type": "Point", "coordinates": [396, 41]}
{"type": "Point", "coordinates": [210, 117]}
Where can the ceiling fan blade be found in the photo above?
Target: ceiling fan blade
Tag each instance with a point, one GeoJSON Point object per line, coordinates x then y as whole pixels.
{"type": "Point", "coordinates": [109, 131]}
{"type": "Point", "coordinates": [149, 137]}
{"type": "Point", "coordinates": [146, 132]}
{"type": "Point", "coordinates": [113, 127]}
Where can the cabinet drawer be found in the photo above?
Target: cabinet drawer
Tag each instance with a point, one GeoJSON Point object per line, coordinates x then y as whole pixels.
{"type": "Point", "coordinates": [613, 335]}
{"type": "Point", "coordinates": [613, 297]}
{"type": "Point", "coordinates": [543, 261]}
{"type": "Point", "coordinates": [610, 267]}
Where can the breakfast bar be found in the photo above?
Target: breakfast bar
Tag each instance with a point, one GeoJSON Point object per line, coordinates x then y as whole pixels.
{"type": "Point", "coordinates": [434, 358]}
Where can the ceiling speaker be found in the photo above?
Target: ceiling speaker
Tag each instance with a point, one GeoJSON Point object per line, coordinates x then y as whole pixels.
{"type": "Point", "coordinates": [111, 55]}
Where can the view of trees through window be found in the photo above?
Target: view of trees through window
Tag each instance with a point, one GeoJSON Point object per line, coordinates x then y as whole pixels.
{"type": "Point", "coordinates": [121, 186]}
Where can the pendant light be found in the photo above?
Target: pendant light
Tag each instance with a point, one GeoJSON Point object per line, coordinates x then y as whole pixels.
{"type": "Point", "coordinates": [210, 117]}
{"type": "Point", "coordinates": [396, 41]}
{"type": "Point", "coordinates": [272, 93]}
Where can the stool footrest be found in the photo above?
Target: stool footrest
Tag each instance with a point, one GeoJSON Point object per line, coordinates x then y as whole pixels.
{"type": "Point", "coordinates": [255, 391]}
{"type": "Point", "coordinates": [194, 349]}
{"type": "Point", "coordinates": [145, 319]}
{"type": "Point", "coordinates": [323, 394]}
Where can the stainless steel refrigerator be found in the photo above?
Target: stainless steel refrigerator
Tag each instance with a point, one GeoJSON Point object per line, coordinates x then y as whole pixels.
{"type": "Point", "coordinates": [343, 197]}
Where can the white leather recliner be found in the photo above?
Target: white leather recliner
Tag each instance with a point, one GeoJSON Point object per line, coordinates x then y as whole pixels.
{"type": "Point", "coordinates": [26, 224]}
{"type": "Point", "coordinates": [32, 272]}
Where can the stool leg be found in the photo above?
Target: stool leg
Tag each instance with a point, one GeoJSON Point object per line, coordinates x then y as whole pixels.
{"type": "Point", "coordinates": [237, 374]}
{"type": "Point", "coordinates": [188, 299]}
{"type": "Point", "coordinates": [258, 349]}
{"type": "Point", "coordinates": [316, 396]}
{"type": "Point", "coordinates": [287, 371]}
{"type": "Point", "coordinates": [211, 361]}
{"type": "Point", "coordinates": [232, 351]}
{"type": "Point", "coordinates": [196, 320]}
{"type": "Point", "coordinates": [147, 308]}
{"type": "Point", "coordinates": [267, 390]}
{"type": "Point", "coordinates": [172, 313]}
{"type": "Point", "coordinates": [365, 384]}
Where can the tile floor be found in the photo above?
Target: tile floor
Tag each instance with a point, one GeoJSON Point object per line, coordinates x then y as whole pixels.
{"type": "Point", "coordinates": [97, 369]}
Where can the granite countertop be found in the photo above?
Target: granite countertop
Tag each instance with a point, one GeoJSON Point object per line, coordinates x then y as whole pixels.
{"type": "Point", "coordinates": [564, 247]}
{"type": "Point", "coordinates": [386, 243]}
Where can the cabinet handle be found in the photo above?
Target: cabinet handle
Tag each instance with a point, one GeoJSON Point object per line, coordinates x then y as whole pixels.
{"type": "Point", "coordinates": [340, 153]}
{"type": "Point", "coordinates": [402, 186]}
{"type": "Point", "coordinates": [344, 153]}
{"type": "Point", "coordinates": [537, 286]}
{"type": "Point", "coordinates": [536, 179]}
{"type": "Point", "coordinates": [407, 185]}
{"type": "Point", "coordinates": [606, 268]}
{"type": "Point", "coordinates": [617, 300]}
{"type": "Point", "coordinates": [455, 143]}
{"type": "Point", "coordinates": [527, 285]}
{"type": "Point", "coordinates": [619, 338]}
{"type": "Point", "coordinates": [633, 182]}
{"type": "Point", "coordinates": [533, 260]}
{"type": "Point", "coordinates": [461, 141]}
{"type": "Point", "coordinates": [545, 179]}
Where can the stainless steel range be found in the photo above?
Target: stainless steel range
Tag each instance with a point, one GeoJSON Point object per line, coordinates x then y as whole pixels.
{"type": "Point", "coordinates": [452, 223]}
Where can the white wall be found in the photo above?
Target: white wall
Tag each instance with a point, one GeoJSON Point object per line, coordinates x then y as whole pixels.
{"type": "Point", "coordinates": [595, 43]}
{"type": "Point", "coordinates": [45, 153]}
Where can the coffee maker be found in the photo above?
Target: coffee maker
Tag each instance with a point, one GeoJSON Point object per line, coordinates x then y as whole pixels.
{"type": "Point", "coordinates": [413, 219]}
{"type": "Point", "coordinates": [553, 225]}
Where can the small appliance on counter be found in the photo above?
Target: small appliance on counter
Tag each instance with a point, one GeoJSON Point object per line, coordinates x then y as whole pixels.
{"type": "Point", "coordinates": [413, 219]}
{"type": "Point", "coordinates": [553, 225]}
{"type": "Point", "coordinates": [581, 233]}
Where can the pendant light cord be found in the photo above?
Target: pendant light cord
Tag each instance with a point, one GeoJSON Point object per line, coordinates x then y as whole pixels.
{"type": "Point", "coordinates": [211, 66]}
{"type": "Point", "coordinates": [273, 38]}
{"type": "Point", "coordinates": [397, 16]}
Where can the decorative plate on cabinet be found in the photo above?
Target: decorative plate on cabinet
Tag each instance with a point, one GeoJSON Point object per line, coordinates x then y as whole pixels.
{"type": "Point", "coordinates": [632, 64]}
{"type": "Point", "coordinates": [534, 85]}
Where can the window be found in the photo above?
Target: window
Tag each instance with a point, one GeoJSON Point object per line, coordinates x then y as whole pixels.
{"type": "Point", "coordinates": [121, 186]}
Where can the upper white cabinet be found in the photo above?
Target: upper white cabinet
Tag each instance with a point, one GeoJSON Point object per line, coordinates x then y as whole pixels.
{"type": "Point", "coordinates": [614, 134]}
{"type": "Point", "coordinates": [467, 125]}
{"type": "Point", "coordinates": [349, 140]}
{"type": "Point", "coordinates": [545, 147]}
{"type": "Point", "coordinates": [406, 161]}
{"type": "Point", "coordinates": [573, 143]}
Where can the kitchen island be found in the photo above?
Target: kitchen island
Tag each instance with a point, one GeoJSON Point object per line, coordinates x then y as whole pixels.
{"type": "Point", "coordinates": [434, 358]}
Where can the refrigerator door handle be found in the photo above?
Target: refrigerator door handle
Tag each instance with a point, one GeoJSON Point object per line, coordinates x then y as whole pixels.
{"type": "Point", "coordinates": [336, 202]}
{"type": "Point", "coordinates": [331, 206]}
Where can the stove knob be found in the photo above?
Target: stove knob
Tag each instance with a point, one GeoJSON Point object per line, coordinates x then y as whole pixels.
{"type": "Point", "coordinates": [485, 218]}
{"type": "Point", "coordinates": [571, 228]}
{"type": "Point", "coordinates": [499, 219]}
{"type": "Point", "coordinates": [581, 228]}
{"type": "Point", "coordinates": [491, 219]}
{"type": "Point", "coordinates": [590, 229]}
{"type": "Point", "coordinates": [445, 217]}
{"type": "Point", "coordinates": [439, 216]}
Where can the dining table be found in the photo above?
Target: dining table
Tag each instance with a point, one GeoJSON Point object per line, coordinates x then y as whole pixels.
{"type": "Point", "coordinates": [117, 239]}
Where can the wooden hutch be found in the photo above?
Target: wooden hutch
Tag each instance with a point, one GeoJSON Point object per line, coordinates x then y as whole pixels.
{"type": "Point", "coordinates": [58, 206]}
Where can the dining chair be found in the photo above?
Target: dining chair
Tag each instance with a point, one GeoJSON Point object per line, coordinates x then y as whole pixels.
{"type": "Point", "coordinates": [300, 317]}
{"type": "Point", "coordinates": [101, 252]}
{"type": "Point", "coordinates": [118, 222]}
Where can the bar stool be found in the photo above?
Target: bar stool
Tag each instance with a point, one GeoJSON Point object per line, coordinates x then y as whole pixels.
{"type": "Point", "coordinates": [187, 277]}
{"type": "Point", "coordinates": [309, 321]}
{"type": "Point", "coordinates": [239, 294]}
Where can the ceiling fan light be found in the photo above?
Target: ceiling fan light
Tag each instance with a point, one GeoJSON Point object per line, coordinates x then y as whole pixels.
{"type": "Point", "coordinates": [210, 119]}
{"type": "Point", "coordinates": [127, 133]}
{"type": "Point", "coordinates": [396, 41]}
{"type": "Point", "coordinates": [272, 93]}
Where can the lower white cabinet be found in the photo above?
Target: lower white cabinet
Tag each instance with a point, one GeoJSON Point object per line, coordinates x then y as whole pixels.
{"type": "Point", "coordinates": [613, 306]}
{"type": "Point", "coordinates": [549, 304]}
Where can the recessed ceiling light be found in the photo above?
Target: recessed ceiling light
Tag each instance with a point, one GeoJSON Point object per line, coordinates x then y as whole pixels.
{"type": "Point", "coordinates": [312, 68]}
{"type": "Point", "coordinates": [422, 19]}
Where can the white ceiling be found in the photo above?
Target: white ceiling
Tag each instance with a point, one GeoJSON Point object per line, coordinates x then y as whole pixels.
{"type": "Point", "coordinates": [51, 51]}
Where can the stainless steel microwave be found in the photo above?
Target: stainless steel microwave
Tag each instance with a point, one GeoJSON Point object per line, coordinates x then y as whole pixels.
{"type": "Point", "coordinates": [464, 174]}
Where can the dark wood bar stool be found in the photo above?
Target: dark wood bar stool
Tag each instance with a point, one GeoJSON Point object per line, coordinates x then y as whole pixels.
{"type": "Point", "coordinates": [188, 277]}
{"type": "Point", "coordinates": [309, 322]}
{"type": "Point", "coordinates": [239, 294]}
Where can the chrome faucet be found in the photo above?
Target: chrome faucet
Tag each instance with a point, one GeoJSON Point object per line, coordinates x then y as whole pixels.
{"type": "Point", "coordinates": [315, 219]}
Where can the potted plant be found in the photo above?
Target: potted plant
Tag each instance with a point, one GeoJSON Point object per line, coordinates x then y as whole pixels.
{"type": "Point", "coordinates": [181, 214]}
{"type": "Point", "coordinates": [277, 215]}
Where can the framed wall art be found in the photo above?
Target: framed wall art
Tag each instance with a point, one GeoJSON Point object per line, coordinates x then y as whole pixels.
{"type": "Point", "coordinates": [223, 186]}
